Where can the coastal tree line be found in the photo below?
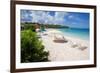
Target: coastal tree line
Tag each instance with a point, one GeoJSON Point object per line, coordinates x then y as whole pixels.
{"type": "Point", "coordinates": [32, 25]}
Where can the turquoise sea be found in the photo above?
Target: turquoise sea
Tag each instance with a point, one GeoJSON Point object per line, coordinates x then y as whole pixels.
{"type": "Point", "coordinates": [76, 32]}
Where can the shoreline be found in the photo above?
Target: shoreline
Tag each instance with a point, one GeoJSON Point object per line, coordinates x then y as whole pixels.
{"type": "Point", "coordinates": [65, 51]}
{"type": "Point", "coordinates": [68, 35]}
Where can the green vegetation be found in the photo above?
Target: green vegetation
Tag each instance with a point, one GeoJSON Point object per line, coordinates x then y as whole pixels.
{"type": "Point", "coordinates": [55, 26]}
{"type": "Point", "coordinates": [32, 25]}
{"type": "Point", "coordinates": [32, 49]}
{"type": "Point", "coordinates": [28, 27]}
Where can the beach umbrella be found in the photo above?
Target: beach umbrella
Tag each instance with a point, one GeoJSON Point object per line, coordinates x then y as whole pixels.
{"type": "Point", "coordinates": [55, 31]}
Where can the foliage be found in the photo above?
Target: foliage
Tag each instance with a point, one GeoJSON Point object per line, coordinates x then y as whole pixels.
{"type": "Point", "coordinates": [27, 26]}
{"type": "Point", "coordinates": [32, 49]}
{"type": "Point", "coordinates": [55, 26]}
{"type": "Point", "coordinates": [32, 25]}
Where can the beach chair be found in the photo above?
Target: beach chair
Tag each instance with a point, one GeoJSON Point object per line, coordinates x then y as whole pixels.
{"type": "Point", "coordinates": [82, 47]}
{"type": "Point", "coordinates": [39, 35]}
{"type": "Point", "coordinates": [79, 46]}
{"type": "Point", "coordinates": [74, 44]}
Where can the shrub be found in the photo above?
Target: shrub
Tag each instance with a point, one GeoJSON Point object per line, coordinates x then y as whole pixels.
{"type": "Point", "coordinates": [27, 27]}
{"type": "Point", "coordinates": [32, 49]}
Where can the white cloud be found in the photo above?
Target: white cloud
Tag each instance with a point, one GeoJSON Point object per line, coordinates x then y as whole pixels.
{"type": "Point", "coordinates": [74, 17]}
{"type": "Point", "coordinates": [59, 17]}
{"type": "Point", "coordinates": [60, 14]}
{"type": "Point", "coordinates": [45, 17]}
{"type": "Point", "coordinates": [70, 16]}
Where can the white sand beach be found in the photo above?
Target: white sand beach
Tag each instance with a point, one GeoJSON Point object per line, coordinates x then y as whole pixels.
{"type": "Point", "coordinates": [73, 49]}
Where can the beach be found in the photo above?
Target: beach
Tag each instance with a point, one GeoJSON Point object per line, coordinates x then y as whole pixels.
{"type": "Point", "coordinates": [73, 49]}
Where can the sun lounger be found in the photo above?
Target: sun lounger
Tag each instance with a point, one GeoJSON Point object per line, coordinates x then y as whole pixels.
{"type": "Point", "coordinates": [82, 47]}
{"type": "Point", "coordinates": [38, 35]}
{"type": "Point", "coordinates": [78, 45]}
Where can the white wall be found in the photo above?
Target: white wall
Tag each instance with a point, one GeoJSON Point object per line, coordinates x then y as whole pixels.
{"type": "Point", "coordinates": [5, 36]}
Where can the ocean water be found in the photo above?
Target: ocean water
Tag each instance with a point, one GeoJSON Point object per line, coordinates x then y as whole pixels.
{"type": "Point", "coordinates": [78, 33]}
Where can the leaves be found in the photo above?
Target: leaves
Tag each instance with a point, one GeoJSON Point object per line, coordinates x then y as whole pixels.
{"type": "Point", "coordinates": [32, 49]}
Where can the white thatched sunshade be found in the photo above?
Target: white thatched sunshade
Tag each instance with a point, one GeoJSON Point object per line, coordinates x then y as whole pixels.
{"type": "Point", "coordinates": [55, 31]}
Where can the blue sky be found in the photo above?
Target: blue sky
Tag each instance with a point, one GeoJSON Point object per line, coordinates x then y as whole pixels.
{"type": "Point", "coordinates": [71, 19]}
